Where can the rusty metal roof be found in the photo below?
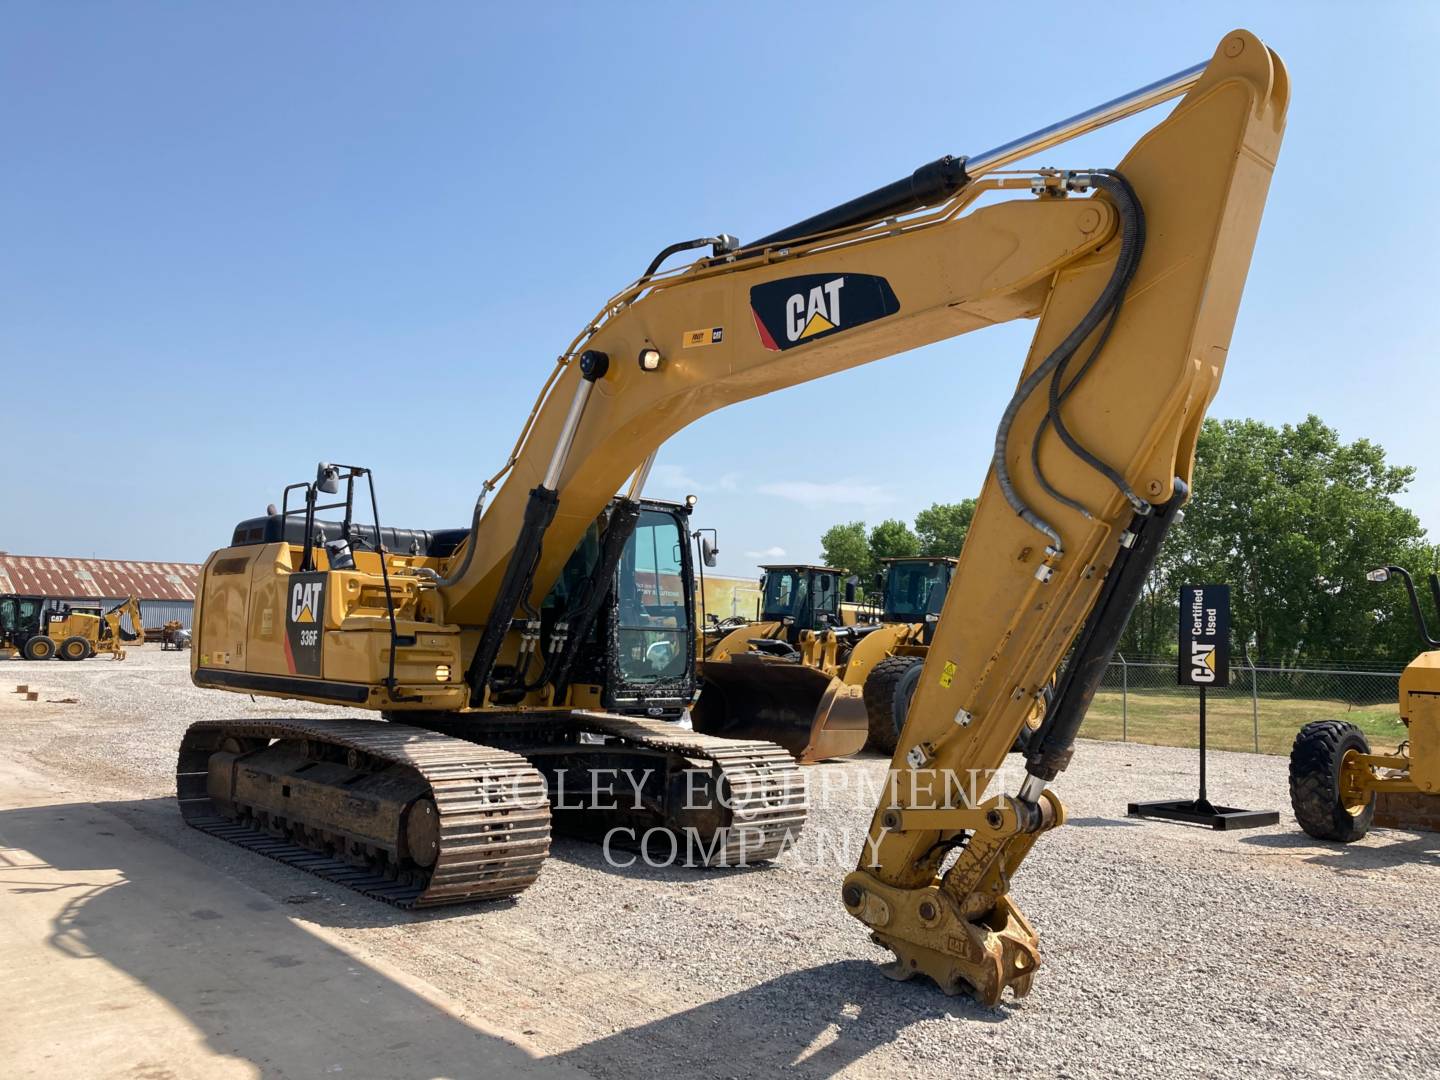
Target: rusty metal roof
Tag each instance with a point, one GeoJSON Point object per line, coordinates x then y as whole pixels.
{"type": "Point", "coordinates": [44, 575]}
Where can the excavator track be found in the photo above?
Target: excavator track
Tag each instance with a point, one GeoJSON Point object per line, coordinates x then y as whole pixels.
{"type": "Point", "coordinates": [474, 825]}
{"type": "Point", "coordinates": [763, 785]}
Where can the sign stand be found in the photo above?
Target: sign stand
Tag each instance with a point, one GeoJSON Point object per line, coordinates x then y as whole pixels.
{"type": "Point", "coordinates": [1204, 662]}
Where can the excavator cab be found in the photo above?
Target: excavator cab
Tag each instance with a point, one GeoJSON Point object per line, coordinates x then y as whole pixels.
{"type": "Point", "coordinates": [649, 616]}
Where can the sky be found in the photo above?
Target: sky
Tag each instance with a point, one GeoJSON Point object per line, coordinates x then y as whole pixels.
{"type": "Point", "coordinates": [243, 238]}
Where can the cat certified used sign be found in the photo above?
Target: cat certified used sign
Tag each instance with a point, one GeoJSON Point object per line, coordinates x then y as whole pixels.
{"type": "Point", "coordinates": [304, 616]}
{"type": "Point", "coordinates": [1204, 635]}
{"type": "Point", "coordinates": [797, 310]}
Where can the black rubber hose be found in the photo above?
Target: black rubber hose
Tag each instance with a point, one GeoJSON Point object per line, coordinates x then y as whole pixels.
{"type": "Point", "coordinates": [1114, 288]}
{"type": "Point", "coordinates": [1131, 245]}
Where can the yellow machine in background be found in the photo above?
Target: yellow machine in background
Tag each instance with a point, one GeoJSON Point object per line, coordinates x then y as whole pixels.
{"type": "Point", "coordinates": [1134, 273]}
{"type": "Point", "coordinates": [41, 630]}
{"type": "Point", "coordinates": [781, 678]}
{"type": "Point", "coordinates": [817, 672]}
{"type": "Point", "coordinates": [1338, 788]}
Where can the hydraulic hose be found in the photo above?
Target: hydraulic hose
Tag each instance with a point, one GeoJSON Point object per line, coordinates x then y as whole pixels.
{"type": "Point", "coordinates": [1131, 225]}
{"type": "Point", "coordinates": [1132, 243]}
{"type": "Point", "coordinates": [470, 541]}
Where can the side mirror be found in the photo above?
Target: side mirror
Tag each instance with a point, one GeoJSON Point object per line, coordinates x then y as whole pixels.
{"type": "Point", "coordinates": [327, 478]}
{"type": "Point", "coordinates": [849, 590]}
{"type": "Point", "coordinates": [708, 551]}
{"type": "Point", "coordinates": [879, 579]}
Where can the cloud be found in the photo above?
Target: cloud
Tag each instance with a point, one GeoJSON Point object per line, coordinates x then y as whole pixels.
{"type": "Point", "coordinates": [774, 552]}
{"type": "Point", "coordinates": [675, 480]}
{"type": "Point", "coordinates": [671, 480]}
{"type": "Point", "coordinates": [837, 493]}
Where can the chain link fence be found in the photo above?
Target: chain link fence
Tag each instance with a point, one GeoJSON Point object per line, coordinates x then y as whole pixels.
{"type": "Point", "coordinates": [1260, 711]}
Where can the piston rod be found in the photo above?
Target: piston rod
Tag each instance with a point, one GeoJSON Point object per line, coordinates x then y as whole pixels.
{"type": "Point", "coordinates": [939, 180]}
{"type": "Point", "coordinates": [1156, 93]}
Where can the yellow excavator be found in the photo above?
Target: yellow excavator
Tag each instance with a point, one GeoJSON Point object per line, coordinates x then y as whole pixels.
{"type": "Point", "coordinates": [1134, 272]}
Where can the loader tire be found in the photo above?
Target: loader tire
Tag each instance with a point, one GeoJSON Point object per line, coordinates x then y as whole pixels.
{"type": "Point", "coordinates": [39, 647]}
{"type": "Point", "coordinates": [74, 648]}
{"type": "Point", "coordinates": [905, 690]}
{"type": "Point", "coordinates": [879, 694]}
{"type": "Point", "coordinates": [1315, 764]}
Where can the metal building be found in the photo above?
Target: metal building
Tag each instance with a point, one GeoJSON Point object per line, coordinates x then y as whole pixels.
{"type": "Point", "coordinates": [166, 590]}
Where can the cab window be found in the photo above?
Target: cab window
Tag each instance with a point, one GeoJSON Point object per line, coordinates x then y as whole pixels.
{"type": "Point", "coordinates": [654, 625]}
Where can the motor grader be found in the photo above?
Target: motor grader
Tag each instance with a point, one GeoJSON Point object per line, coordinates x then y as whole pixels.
{"type": "Point", "coordinates": [41, 630]}
{"type": "Point", "coordinates": [1339, 788]}
{"type": "Point", "coordinates": [1134, 273]}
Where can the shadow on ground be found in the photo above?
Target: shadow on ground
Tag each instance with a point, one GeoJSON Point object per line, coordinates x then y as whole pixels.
{"type": "Point", "coordinates": [813, 1023]}
{"type": "Point", "coordinates": [1402, 849]}
{"type": "Point", "coordinates": [259, 988]}
{"type": "Point", "coordinates": [252, 983]}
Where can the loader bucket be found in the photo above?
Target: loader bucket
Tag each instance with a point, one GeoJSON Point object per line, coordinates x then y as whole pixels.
{"type": "Point", "coordinates": [813, 715]}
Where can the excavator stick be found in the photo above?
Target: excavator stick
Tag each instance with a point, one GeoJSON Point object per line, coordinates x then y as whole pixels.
{"type": "Point", "coordinates": [812, 714]}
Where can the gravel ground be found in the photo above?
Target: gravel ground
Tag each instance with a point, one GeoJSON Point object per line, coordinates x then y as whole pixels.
{"type": "Point", "coordinates": [1168, 951]}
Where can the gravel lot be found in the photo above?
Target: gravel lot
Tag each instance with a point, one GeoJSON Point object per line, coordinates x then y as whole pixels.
{"type": "Point", "coordinates": [1168, 951]}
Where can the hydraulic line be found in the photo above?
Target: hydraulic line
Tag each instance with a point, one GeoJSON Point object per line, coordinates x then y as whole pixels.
{"type": "Point", "coordinates": [1132, 243]}
{"type": "Point", "coordinates": [1131, 224]}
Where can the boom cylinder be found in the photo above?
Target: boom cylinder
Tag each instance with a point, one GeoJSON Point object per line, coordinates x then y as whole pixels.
{"type": "Point", "coordinates": [940, 179]}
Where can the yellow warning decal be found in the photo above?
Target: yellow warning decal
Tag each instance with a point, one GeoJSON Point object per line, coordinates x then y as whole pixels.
{"type": "Point", "coordinates": [947, 674]}
{"type": "Point", "coordinates": [711, 335]}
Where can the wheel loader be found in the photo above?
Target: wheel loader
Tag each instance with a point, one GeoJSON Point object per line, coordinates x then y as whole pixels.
{"type": "Point", "coordinates": [782, 677]}
{"type": "Point", "coordinates": [432, 794]}
{"type": "Point", "coordinates": [813, 676]}
{"type": "Point", "coordinates": [1339, 788]}
{"type": "Point", "coordinates": [42, 630]}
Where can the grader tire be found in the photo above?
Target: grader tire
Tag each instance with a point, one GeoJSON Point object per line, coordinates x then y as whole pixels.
{"type": "Point", "coordinates": [879, 694]}
{"type": "Point", "coordinates": [39, 647]}
{"type": "Point", "coordinates": [74, 648]}
{"type": "Point", "coordinates": [1315, 764]}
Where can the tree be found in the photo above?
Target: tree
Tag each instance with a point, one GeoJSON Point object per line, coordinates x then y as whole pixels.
{"type": "Point", "coordinates": [845, 547]}
{"type": "Point", "coordinates": [942, 528]}
{"type": "Point", "coordinates": [1292, 518]}
{"type": "Point", "coordinates": [891, 539]}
